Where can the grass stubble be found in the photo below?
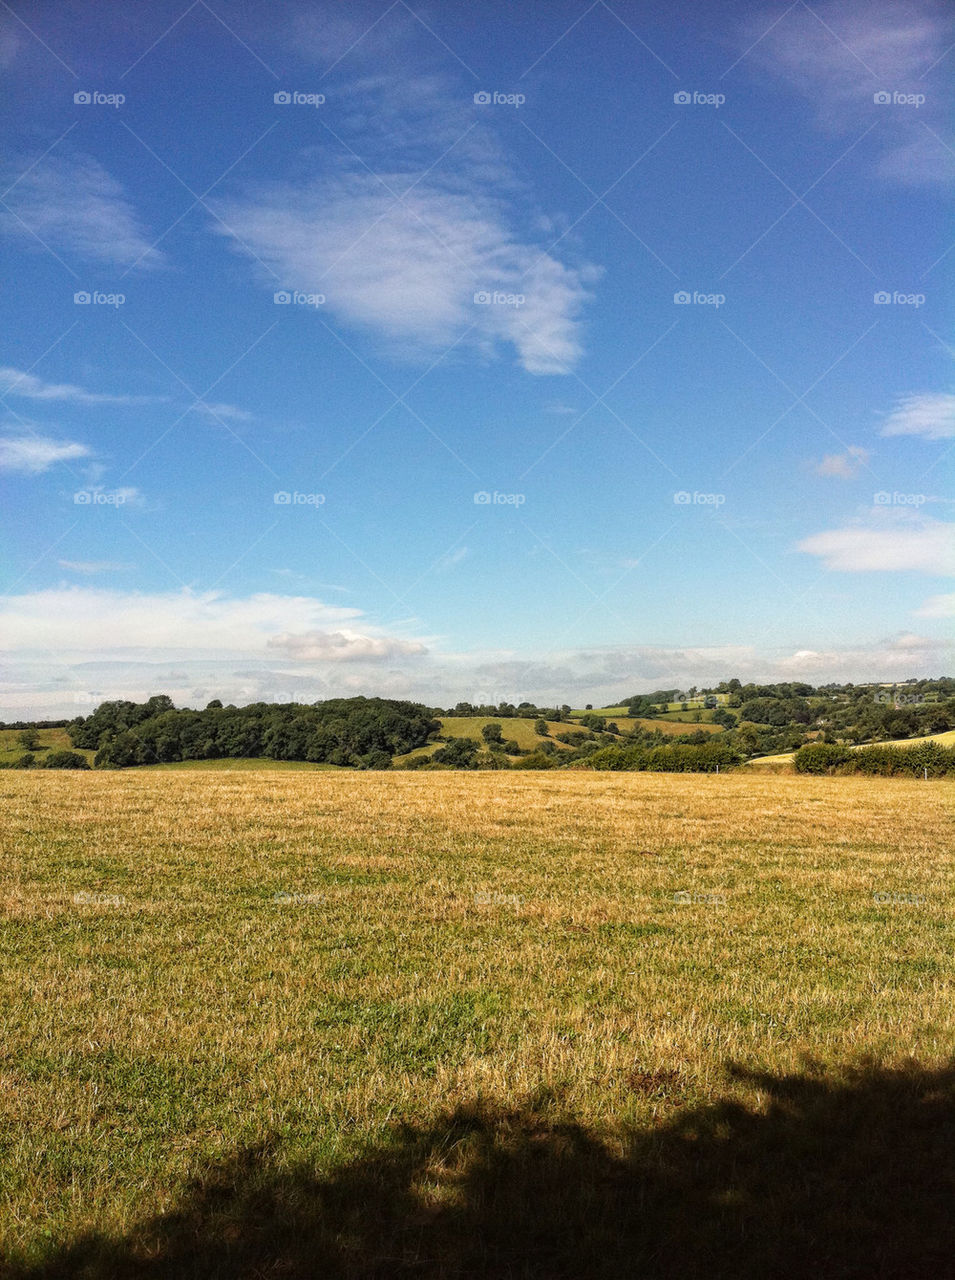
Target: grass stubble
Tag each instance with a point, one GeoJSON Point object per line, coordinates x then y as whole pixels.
{"type": "Point", "coordinates": [199, 964]}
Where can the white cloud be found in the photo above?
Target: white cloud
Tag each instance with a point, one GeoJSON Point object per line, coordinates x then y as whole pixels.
{"type": "Point", "coordinates": [75, 207]}
{"type": "Point", "coordinates": [930, 414]}
{"type": "Point", "coordinates": [839, 55]}
{"type": "Point", "coordinates": [942, 606]}
{"type": "Point", "coordinates": [400, 245]}
{"type": "Point", "coordinates": [410, 270]}
{"type": "Point", "coordinates": [843, 465]}
{"type": "Point", "coordinates": [77, 619]}
{"type": "Point", "coordinates": [31, 455]}
{"type": "Point", "coordinates": [15, 382]}
{"type": "Point", "coordinates": [919, 545]}
{"type": "Point", "coordinates": [228, 412]}
{"type": "Point", "coordinates": [344, 646]}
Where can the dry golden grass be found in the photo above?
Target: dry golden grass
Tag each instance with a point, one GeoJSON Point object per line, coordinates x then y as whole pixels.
{"type": "Point", "coordinates": [195, 960]}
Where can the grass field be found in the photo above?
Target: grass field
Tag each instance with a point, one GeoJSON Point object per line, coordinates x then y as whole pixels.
{"type": "Point", "coordinates": [946, 739]}
{"type": "Point", "coordinates": [50, 740]}
{"type": "Point", "coordinates": [474, 1024]}
{"type": "Point", "coordinates": [241, 764]}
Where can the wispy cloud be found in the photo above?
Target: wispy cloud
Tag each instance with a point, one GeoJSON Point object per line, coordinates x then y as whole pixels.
{"type": "Point", "coordinates": [895, 543]}
{"type": "Point", "coordinates": [14, 382]}
{"type": "Point", "coordinates": [424, 240]}
{"type": "Point", "coordinates": [31, 455]}
{"type": "Point", "coordinates": [841, 54]}
{"type": "Point", "coordinates": [74, 206]}
{"type": "Point", "coordinates": [228, 412]}
{"type": "Point", "coordinates": [931, 414]}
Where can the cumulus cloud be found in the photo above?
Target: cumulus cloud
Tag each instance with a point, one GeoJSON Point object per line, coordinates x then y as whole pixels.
{"type": "Point", "coordinates": [31, 455]}
{"type": "Point", "coordinates": [919, 545]}
{"type": "Point", "coordinates": [843, 465]}
{"type": "Point", "coordinates": [74, 206]}
{"type": "Point", "coordinates": [344, 646]}
{"type": "Point", "coordinates": [930, 414]}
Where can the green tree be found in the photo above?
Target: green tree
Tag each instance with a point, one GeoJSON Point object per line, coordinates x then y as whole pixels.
{"type": "Point", "coordinates": [540, 728]}
{"type": "Point", "coordinates": [492, 733]}
{"type": "Point", "coordinates": [29, 739]}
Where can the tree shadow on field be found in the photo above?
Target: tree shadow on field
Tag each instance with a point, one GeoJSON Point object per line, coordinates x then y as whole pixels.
{"type": "Point", "coordinates": [847, 1178]}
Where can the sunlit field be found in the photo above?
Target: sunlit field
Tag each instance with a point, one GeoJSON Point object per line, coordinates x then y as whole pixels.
{"type": "Point", "coordinates": [337, 1023]}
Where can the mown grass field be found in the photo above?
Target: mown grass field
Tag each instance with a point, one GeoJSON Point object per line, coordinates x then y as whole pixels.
{"type": "Point", "coordinates": [364, 1024]}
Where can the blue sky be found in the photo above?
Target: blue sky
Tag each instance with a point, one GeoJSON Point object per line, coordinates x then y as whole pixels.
{"type": "Point", "coordinates": [486, 353]}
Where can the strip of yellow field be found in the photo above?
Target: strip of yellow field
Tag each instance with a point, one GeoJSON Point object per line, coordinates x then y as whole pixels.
{"type": "Point", "coordinates": [946, 739]}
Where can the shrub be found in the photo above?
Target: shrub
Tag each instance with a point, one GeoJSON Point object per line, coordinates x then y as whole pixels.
{"type": "Point", "coordinates": [65, 760]}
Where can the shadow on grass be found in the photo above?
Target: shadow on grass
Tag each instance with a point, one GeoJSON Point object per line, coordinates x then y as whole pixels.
{"type": "Point", "coordinates": [848, 1178]}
